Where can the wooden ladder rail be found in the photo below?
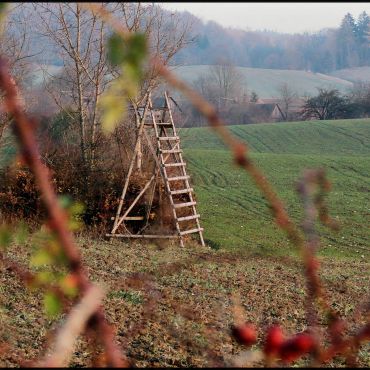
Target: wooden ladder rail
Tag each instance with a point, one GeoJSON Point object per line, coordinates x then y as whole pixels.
{"type": "Point", "coordinates": [140, 133]}
{"type": "Point", "coordinates": [184, 174]}
{"type": "Point", "coordinates": [162, 161]}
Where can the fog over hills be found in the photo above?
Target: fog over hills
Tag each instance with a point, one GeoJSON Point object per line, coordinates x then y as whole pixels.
{"type": "Point", "coordinates": [331, 58]}
{"type": "Point", "coordinates": [325, 51]}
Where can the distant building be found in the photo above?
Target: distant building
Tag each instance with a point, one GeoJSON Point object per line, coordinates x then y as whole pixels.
{"type": "Point", "coordinates": [279, 114]}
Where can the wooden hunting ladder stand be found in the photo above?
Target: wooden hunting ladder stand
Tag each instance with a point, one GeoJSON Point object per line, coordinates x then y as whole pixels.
{"type": "Point", "coordinates": [169, 167]}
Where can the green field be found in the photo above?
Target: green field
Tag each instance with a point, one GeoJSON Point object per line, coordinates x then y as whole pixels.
{"type": "Point", "coordinates": [266, 81]}
{"type": "Point", "coordinates": [235, 215]}
{"type": "Point", "coordinates": [170, 306]}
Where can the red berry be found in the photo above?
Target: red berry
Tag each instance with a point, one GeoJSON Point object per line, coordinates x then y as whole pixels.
{"type": "Point", "coordinates": [296, 347]}
{"type": "Point", "coordinates": [245, 334]}
{"type": "Point", "coordinates": [274, 340]}
{"type": "Point", "coordinates": [304, 342]}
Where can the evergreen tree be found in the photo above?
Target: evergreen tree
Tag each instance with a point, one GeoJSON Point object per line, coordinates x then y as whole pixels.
{"type": "Point", "coordinates": [347, 53]}
{"type": "Point", "coordinates": [362, 38]}
{"type": "Point", "coordinates": [362, 27]}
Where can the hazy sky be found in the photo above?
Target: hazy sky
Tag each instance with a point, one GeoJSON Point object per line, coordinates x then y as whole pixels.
{"type": "Point", "coordinates": [280, 17]}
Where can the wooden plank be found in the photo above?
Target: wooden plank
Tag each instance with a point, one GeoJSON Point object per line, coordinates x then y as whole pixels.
{"type": "Point", "coordinates": [191, 231]}
{"type": "Point", "coordinates": [182, 191]}
{"type": "Point", "coordinates": [174, 164]}
{"type": "Point", "coordinates": [143, 236]}
{"type": "Point", "coordinates": [181, 205]}
{"type": "Point", "coordinates": [178, 178]}
{"type": "Point", "coordinates": [187, 218]}
{"type": "Point", "coordinates": [166, 124]}
{"type": "Point", "coordinates": [118, 223]}
{"type": "Point", "coordinates": [171, 150]}
{"type": "Point", "coordinates": [168, 138]}
{"type": "Point", "coordinates": [140, 133]}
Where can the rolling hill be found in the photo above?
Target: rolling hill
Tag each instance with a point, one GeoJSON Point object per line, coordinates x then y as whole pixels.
{"type": "Point", "coordinates": [265, 82]}
{"type": "Point", "coordinates": [233, 211]}
{"type": "Point", "coordinates": [353, 74]}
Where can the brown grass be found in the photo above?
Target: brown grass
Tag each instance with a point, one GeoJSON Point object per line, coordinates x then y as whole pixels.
{"type": "Point", "coordinates": [190, 309]}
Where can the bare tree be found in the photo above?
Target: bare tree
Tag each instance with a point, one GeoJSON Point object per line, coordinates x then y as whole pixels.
{"type": "Point", "coordinates": [287, 96]}
{"type": "Point", "coordinates": [14, 45]}
{"type": "Point", "coordinates": [228, 80]}
{"type": "Point", "coordinates": [360, 97]}
{"type": "Point", "coordinates": [166, 32]}
{"type": "Point", "coordinates": [328, 104]}
{"type": "Point", "coordinates": [221, 84]}
{"type": "Point", "coordinates": [206, 86]}
{"type": "Point", "coordinates": [80, 37]}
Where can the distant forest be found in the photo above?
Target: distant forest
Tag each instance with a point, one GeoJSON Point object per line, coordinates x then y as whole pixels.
{"type": "Point", "coordinates": [327, 50]}
{"type": "Point", "coordinates": [207, 43]}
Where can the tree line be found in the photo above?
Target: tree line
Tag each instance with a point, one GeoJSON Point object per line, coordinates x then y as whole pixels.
{"type": "Point", "coordinates": [223, 85]}
{"type": "Point", "coordinates": [327, 50]}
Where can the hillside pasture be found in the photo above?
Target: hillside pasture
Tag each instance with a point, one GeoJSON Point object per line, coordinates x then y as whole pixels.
{"type": "Point", "coordinates": [266, 82]}
{"type": "Point", "coordinates": [234, 213]}
{"type": "Point", "coordinates": [353, 74]}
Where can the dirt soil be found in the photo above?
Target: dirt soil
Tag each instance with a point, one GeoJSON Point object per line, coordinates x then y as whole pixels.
{"type": "Point", "coordinates": [173, 306]}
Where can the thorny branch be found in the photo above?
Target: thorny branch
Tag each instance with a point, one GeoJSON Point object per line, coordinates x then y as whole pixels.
{"type": "Point", "coordinates": [24, 131]}
{"type": "Point", "coordinates": [312, 189]}
{"type": "Point", "coordinates": [73, 327]}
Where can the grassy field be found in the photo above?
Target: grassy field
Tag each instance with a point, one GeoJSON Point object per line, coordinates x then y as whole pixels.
{"type": "Point", "coordinates": [353, 74]}
{"type": "Point", "coordinates": [266, 81]}
{"type": "Point", "coordinates": [172, 306]}
{"type": "Point", "coordinates": [235, 215]}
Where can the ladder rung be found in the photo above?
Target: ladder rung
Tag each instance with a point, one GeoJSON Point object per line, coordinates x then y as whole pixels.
{"type": "Point", "coordinates": [182, 191]}
{"type": "Point", "coordinates": [134, 218]}
{"type": "Point", "coordinates": [191, 231]}
{"type": "Point", "coordinates": [168, 138]}
{"type": "Point", "coordinates": [131, 218]}
{"type": "Point", "coordinates": [178, 178]}
{"type": "Point", "coordinates": [181, 205]}
{"type": "Point", "coordinates": [171, 150]}
{"type": "Point", "coordinates": [174, 164]}
{"type": "Point", "coordinates": [166, 124]}
{"type": "Point", "coordinates": [186, 218]}
{"type": "Point", "coordinates": [159, 108]}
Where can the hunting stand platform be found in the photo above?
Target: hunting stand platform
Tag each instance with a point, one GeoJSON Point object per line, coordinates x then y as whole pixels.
{"type": "Point", "coordinates": [157, 125]}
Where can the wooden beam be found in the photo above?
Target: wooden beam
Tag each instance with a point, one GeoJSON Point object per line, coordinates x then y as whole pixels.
{"type": "Point", "coordinates": [133, 204]}
{"type": "Point", "coordinates": [143, 236]}
{"type": "Point", "coordinates": [131, 168]}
